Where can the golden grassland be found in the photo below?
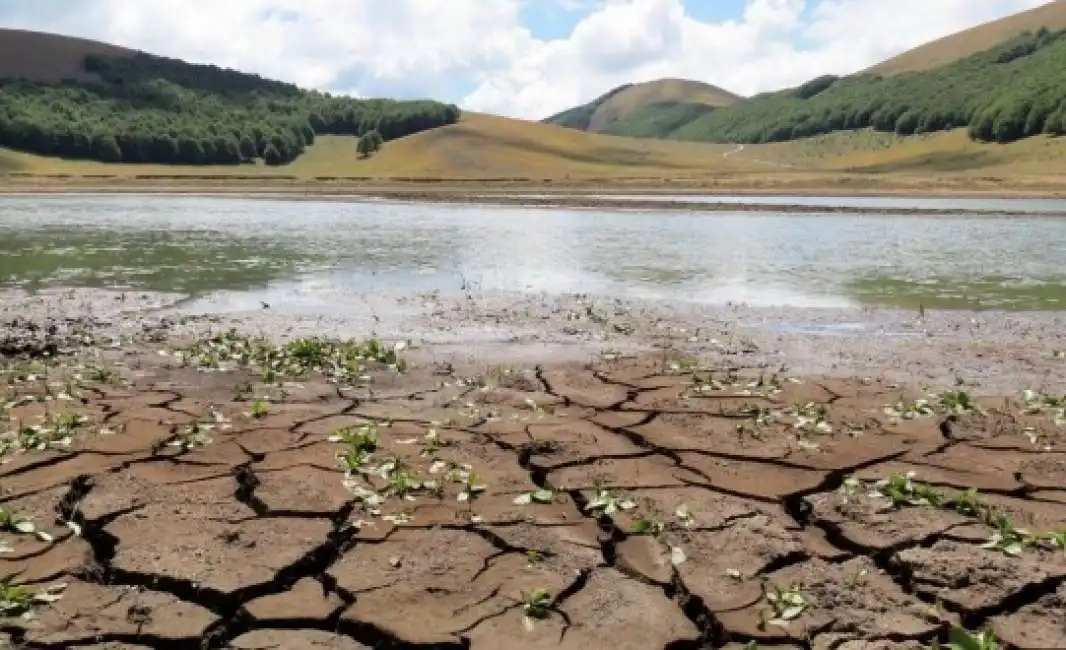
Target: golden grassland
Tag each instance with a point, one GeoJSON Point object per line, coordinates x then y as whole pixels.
{"type": "Point", "coordinates": [626, 101]}
{"type": "Point", "coordinates": [487, 150]}
{"type": "Point", "coordinates": [962, 44]}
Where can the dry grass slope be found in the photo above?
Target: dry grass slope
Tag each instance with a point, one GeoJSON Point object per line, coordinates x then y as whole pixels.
{"type": "Point", "coordinates": [49, 57]}
{"type": "Point", "coordinates": [662, 90]}
{"type": "Point", "coordinates": [484, 147]}
{"type": "Point", "coordinates": [963, 44]}
{"type": "Point", "coordinates": [478, 147]}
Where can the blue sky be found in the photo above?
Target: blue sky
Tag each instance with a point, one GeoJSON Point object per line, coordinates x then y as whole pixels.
{"type": "Point", "coordinates": [522, 58]}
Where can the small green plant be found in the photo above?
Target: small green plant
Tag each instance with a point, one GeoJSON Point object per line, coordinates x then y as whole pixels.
{"type": "Point", "coordinates": [260, 410]}
{"type": "Point", "coordinates": [919, 408]}
{"type": "Point", "coordinates": [901, 490]}
{"type": "Point", "coordinates": [403, 481]}
{"type": "Point", "coordinates": [785, 606]}
{"type": "Point", "coordinates": [1007, 538]}
{"type": "Point", "coordinates": [645, 526]}
{"type": "Point", "coordinates": [1057, 539]}
{"type": "Point", "coordinates": [606, 502]}
{"type": "Point", "coordinates": [956, 401]}
{"type": "Point", "coordinates": [537, 496]}
{"type": "Point", "coordinates": [960, 639]}
{"type": "Point", "coordinates": [364, 438]}
{"type": "Point", "coordinates": [969, 503]}
{"type": "Point", "coordinates": [192, 437]}
{"type": "Point", "coordinates": [21, 600]}
{"type": "Point", "coordinates": [536, 605]}
{"type": "Point", "coordinates": [471, 488]}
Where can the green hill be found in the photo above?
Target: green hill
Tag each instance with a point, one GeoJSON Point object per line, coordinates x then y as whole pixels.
{"type": "Point", "coordinates": [80, 99]}
{"type": "Point", "coordinates": [1011, 91]}
{"type": "Point", "coordinates": [648, 110]}
{"type": "Point", "coordinates": [1001, 80]}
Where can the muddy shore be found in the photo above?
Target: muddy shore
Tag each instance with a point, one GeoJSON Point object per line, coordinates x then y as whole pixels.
{"type": "Point", "coordinates": [563, 473]}
{"type": "Point", "coordinates": [577, 193]}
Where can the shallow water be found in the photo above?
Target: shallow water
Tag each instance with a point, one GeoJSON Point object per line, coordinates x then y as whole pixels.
{"type": "Point", "coordinates": [328, 256]}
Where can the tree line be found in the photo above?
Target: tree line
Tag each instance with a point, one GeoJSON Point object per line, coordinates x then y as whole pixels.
{"type": "Point", "coordinates": [1012, 91]}
{"type": "Point", "coordinates": [149, 109]}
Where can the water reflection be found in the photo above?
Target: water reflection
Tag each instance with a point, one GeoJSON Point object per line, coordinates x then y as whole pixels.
{"type": "Point", "coordinates": [324, 255]}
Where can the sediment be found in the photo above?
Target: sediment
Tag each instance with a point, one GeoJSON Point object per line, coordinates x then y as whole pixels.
{"type": "Point", "coordinates": [193, 500]}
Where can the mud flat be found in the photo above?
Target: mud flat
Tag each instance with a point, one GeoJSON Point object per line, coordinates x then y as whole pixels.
{"type": "Point", "coordinates": [170, 484]}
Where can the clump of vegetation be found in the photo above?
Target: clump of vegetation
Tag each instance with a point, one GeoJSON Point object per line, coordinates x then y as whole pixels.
{"type": "Point", "coordinates": [901, 490]}
{"type": "Point", "coordinates": [340, 361]}
{"type": "Point", "coordinates": [57, 429]}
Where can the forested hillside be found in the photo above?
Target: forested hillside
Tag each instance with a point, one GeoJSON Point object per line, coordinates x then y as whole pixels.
{"type": "Point", "coordinates": [651, 109]}
{"type": "Point", "coordinates": [150, 109]}
{"type": "Point", "coordinates": [1012, 91]}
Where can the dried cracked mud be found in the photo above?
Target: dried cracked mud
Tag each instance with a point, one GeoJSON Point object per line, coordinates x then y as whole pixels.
{"type": "Point", "coordinates": [623, 503]}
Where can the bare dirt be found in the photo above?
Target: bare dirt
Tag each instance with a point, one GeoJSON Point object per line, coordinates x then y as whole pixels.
{"type": "Point", "coordinates": [654, 502]}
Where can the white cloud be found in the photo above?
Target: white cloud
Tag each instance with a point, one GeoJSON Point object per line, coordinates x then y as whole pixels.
{"type": "Point", "coordinates": [775, 43]}
{"type": "Point", "coordinates": [478, 53]}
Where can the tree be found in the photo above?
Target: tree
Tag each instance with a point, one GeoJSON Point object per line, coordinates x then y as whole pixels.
{"type": "Point", "coordinates": [365, 146]}
{"type": "Point", "coordinates": [376, 141]}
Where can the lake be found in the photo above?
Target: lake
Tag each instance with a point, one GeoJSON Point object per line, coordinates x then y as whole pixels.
{"type": "Point", "coordinates": [320, 254]}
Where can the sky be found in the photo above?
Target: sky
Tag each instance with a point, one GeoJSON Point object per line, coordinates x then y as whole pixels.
{"type": "Point", "coordinates": [520, 58]}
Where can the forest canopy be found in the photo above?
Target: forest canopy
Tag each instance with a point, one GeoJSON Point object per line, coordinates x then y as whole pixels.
{"type": "Point", "coordinates": [1012, 91]}
{"type": "Point", "coordinates": [151, 109]}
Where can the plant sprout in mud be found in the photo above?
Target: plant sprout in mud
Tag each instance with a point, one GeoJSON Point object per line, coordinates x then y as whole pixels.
{"type": "Point", "coordinates": [260, 409]}
{"type": "Point", "coordinates": [536, 605]}
{"type": "Point", "coordinates": [1007, 538]}
{"type": "Point", "coordinates": [969, 503]}
{"type": "Point", "coordinates": [960, 639]}
{"type": "Point", "coordinates": [537, 496]}
{"type": "Point", "coordinates": [956, 401]}
{"type": "Point", "coordinates": [192, 437]}
{"type": "Point", "coordinates": [605, 502]}
{"type": "Point", "coordinates": [22, 600]}
{"type": "Point", "coordinates": [901, 490]}
{"type": "Point", "coordinates": [919, 408]}
{"type": "Point", "coordinates": [785, 606]}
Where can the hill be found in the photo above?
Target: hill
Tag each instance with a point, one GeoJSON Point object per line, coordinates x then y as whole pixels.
{"type": "Point", "coordinates": [476, 147]}
{"type": "Point", "coordinates": [650, 109]}
{"type": "Point", "coordinates": [971, 41]}
{"type": "Point", "coordinates": [1012, 91]}
{"type": "Point", "coordinates": [80, 99]}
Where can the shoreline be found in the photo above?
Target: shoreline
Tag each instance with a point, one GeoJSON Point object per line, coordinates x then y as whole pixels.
{"type": "Point", "coordinates": [603, 201]}
{"type": "Point", "coordinates": [462, 189]}
{"type": "Point", "coordinates": [233, 491]}
{"type": "Point", "coordinates": [988, 351]}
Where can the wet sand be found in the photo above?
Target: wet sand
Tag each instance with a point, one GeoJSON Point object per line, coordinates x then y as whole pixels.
{"type": "Point", "coordinates": [580, 475]}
